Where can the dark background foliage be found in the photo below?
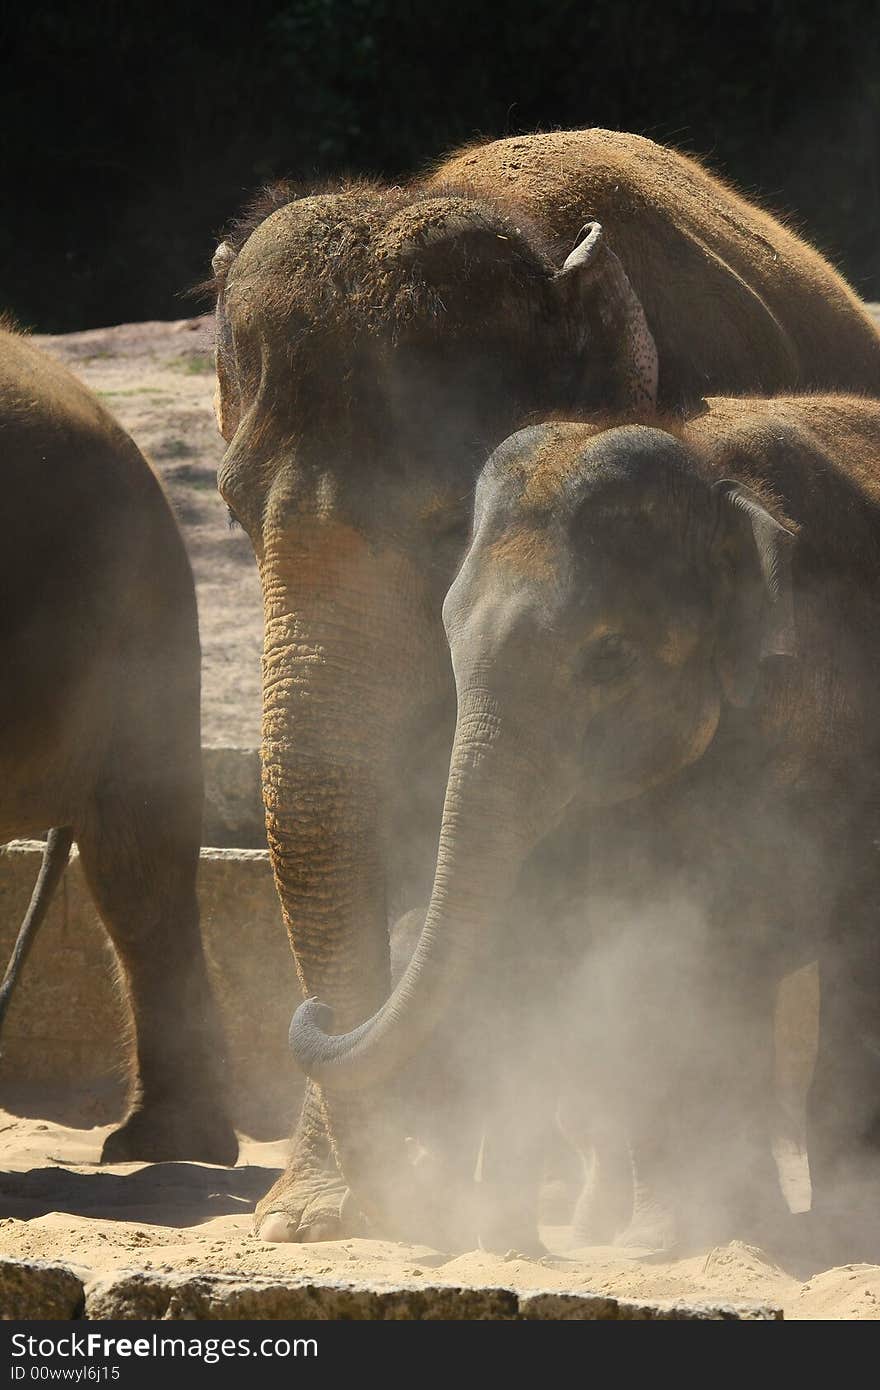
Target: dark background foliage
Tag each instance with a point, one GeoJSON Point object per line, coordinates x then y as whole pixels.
{"type": "Point", "coordinates": [129, 133]}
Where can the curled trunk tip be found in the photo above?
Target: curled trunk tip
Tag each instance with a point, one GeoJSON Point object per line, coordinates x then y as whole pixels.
{"type": "Point", "coordinates": [317, 1050]}
{"type": "Point", "coordinates": [310, 1021]}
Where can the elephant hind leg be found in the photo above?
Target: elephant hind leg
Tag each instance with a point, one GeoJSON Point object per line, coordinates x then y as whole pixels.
{"type": "Point", "coordinates": [844, 1104]}
{"type": "Point", "coordinates": [139, 852]}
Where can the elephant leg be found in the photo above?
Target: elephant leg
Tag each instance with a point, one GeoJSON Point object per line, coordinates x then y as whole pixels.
{"type": "Point", "coordinates": [655, 1223]}
{"type": "Point", "coordinates": [703, 1178]}
{"type": "Point", "coordinates": [844, 1102]}
{"type": "Point", "coordinates": [440, 1101]}
{"type": "Point", "coordinates": [523, 1073]}
{"type": "Point", "coordinates": [640, 1053]}
{"type": "Point", "coordinates": [675, 1183]}
{"type": "Point", "coordinates": [743, 1189]}
{"type": "Point", "coordinates": [703, 1114]}
{"type": "Point", "coordinates": [139, 852]}
{"type": "Point", "coordinates": [592, 1116]}
{"type": "Point", "coordinates": [435, 1109]}
{"type": "Point", "coordinates": [598, 1136]}
{"type": "Point", "coordinates": [309, 1202]}
{"type": "Point", "coordinates": [512, 1161]}
{"type": "Point", "coordinates": [444, 1112]}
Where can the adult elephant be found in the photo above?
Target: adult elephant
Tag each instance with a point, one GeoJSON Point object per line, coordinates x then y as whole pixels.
{"type": "Point", "coordinates": [100, 731]}
{"type": "Point", "coordinates": [373, 345]}
{"type": "Point", "coordinates": [666, 642]}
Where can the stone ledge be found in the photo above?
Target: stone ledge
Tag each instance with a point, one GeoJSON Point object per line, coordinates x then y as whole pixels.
{"type": "Point", "coordinates": [152, 1296]}
{"type": "Point", "coordinates": [34, 1289]}
{"type": "Point", "coordinates": [145, 1295]}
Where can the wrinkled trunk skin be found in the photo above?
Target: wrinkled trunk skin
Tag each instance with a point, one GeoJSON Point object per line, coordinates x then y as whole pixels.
{"type": "Point", "coordinates": [346, 647]}
{"type": "Point", "coordinates": [491, 820]}
{"type": "Point", "coordinates": [495, 811]}
{"type": "Point", "coordinates": [493, 815]}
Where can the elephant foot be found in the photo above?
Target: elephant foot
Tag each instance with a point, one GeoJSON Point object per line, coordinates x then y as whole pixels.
{"type": "Point", "coordinates": [653, 1227]}
{"type": "Point", "coordinates": [307, 1204]}
{"type": "Point", "coordinates": [168, 1133]}
{"type": "Point", "coordinates": [603, 1209]}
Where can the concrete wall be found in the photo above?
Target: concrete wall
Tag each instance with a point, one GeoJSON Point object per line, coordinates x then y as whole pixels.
{"type": "Point", "coordinates": [67, 1020]}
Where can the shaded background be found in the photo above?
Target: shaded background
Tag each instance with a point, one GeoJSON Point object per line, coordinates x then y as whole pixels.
{"type": "Point", "coordinates": [130, 133]}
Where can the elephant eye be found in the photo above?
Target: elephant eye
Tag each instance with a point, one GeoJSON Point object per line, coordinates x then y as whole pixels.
{"type": "Point", "coordinates": [607, 659]}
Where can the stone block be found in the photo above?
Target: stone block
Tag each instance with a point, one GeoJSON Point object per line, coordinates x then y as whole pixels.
{"type": "Point", "coordinates": [146, 1295]}
{"type": "Point", "coordinates": [32, 1289]}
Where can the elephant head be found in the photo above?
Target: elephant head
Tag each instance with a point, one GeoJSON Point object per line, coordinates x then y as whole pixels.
{"type": "Point", "coordinates": [615, 595]}
{"type": "Point", "coordinates": [373, 346]}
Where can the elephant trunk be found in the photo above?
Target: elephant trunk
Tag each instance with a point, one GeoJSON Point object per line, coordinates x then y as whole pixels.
{"type": "Point", "coordinates": [490, 821]}
{"type": "Point", "coordinates": [340, 666]}
{"type": "Point", "coordinates": [344, 654]}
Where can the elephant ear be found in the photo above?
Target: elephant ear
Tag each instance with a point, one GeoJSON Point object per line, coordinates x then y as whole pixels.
{"type": "Point", "coordinates": [227, 405]}
{"type": "Point", "coordinates": [621, 365]}
{"type": "Point", "coordinates": [757, 608]}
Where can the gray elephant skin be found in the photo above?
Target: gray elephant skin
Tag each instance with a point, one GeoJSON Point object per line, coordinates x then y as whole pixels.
{"type": "Point", "coordinates": [666, 654]}
{"type": "Point", "coordinates": [374, 345]}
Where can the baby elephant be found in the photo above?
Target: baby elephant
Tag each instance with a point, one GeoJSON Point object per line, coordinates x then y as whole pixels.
{"type": "Point", "coordinates": [666, 645]}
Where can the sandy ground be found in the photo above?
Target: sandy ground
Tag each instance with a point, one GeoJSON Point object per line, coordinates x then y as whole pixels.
{"type": "Point", "coordinates": [55, 1202]}
{"type": "Point", "coordinates": [185, 1218]}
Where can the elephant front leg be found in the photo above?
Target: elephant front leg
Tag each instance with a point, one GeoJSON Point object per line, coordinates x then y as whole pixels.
{"type": "Point", "coordinates": [428, 1196]}
{"type": "Point", "coordinates": [521, 1059]}
{"type": "Point", "coordinates": [701, 1113]}
{"type": "Point", "coordinates": [310, 1200]}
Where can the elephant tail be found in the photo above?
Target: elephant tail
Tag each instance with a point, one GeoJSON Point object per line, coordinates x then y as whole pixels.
{"type": "Point", "coordinates": [55, 857]}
